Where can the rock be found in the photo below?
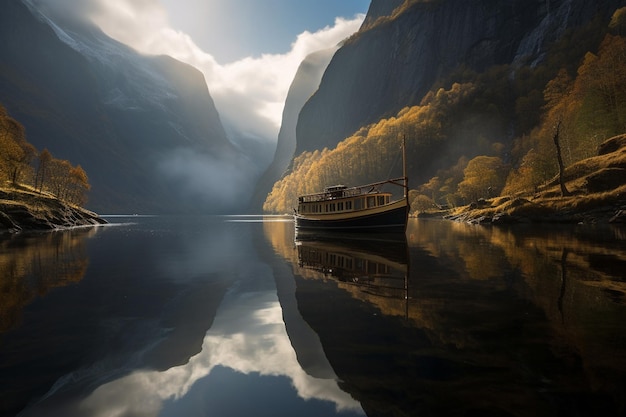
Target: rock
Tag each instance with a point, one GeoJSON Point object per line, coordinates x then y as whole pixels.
{"type": "Point", "coordinates": [605, 179]}
{"type": "Point", "coordinates": [503, 218]}
{"type": "Point", "coordinates": [25, 212]}
{"type": "Point", "coordinates": [481, 220]}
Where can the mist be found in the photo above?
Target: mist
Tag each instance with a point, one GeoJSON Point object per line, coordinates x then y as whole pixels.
{"type": "Point", "coordinates": [215, 185]}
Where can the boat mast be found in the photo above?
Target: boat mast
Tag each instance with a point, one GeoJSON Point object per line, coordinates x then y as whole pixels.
{"type": "Point", "coordinates": [404, 176]}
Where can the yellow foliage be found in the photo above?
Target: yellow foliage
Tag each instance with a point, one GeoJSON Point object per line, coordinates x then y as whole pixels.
{"type": "Point", "coordinates": [67, 182]}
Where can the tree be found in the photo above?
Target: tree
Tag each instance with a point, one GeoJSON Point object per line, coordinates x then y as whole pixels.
{"type": "Point", "coordinates": [618, 22]}
{"type": "Point", "coordinates": [555, 138]}
{"type": "Point", "coordinates": [605, 77]}
{"type": "Point", "coordinates": [78, 186]}
{"type": "Point", "coordinates": [17, 152]}
{"type": "Point", "coordinates": [44, 159]}
{"type": "Point", "coordinates": [59, 177]}
{"type": "Point", "coordinates": [484, 176]}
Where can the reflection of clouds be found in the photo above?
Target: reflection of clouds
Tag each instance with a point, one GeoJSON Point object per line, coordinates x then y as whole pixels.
{"type": "Point", "coordinates": [248, 336]}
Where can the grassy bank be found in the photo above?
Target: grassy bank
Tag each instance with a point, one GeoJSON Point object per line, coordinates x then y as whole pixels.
{"type": "Point", "coordinates": [597, 188]}
{"type": "Point", "coordinates": [24, 210]}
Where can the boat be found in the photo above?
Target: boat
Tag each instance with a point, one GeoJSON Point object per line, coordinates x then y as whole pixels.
{"type": "Point", "coordinates": [364, 208]}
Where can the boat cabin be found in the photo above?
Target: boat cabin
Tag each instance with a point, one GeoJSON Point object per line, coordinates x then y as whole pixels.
{"type": "Point", "coordinates": [339, 198]}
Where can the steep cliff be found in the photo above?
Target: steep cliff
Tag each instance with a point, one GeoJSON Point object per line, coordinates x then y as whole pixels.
{"type": "Point", "coordinates": [120, 115]}
{"type": "Point", "coordinates": [305, 82]}
{"type": "Point", "coordinates": [395, 59]}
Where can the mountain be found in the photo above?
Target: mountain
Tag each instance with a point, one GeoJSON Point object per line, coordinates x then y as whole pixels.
{"type": "Point", "coordinates": [474, 87]}
{"type": "Point", "coordinates": [140, 126]}
{"type": "Point", "coordinates": [305, 82]}
{"type": "Point", "coordinates": [400, 54]}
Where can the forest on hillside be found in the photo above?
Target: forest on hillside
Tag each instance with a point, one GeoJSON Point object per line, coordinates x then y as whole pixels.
{"type": "Point", "coordinates": [481, 135]}
{"type": "Point", "coordinates": [23, 166]}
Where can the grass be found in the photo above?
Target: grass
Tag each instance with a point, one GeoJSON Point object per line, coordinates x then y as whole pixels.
{"type": "Point", "coordinates": [597, 185]}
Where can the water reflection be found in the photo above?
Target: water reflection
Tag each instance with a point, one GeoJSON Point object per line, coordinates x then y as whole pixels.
{"type": "Point", "coordinates": [371, 268]}
{"type": "Point", "coordinates": [521, 321]}
{"type": "Point", "coordinates": [236, 316]}
{"type": "Point", "coordinates": [181, 317]}
{"type": "Point", "coordinates": [33, 265]}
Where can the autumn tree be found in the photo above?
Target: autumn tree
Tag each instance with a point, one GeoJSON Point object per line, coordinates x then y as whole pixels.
{"type": "Point", "coordinates": [601, 88]}
{"type": "Point", "coordinates": [59, 178]}
{"type": "Point", "coordinates": [484, 177]}
{"type": "Point", "coordinates": [17, 153]}
{"type": "Point", "coordinates": [43, 163]}
{"type": "Point", "coordinates": [78, 186]}
{"type": "Point", "coordinates": [618, 22]}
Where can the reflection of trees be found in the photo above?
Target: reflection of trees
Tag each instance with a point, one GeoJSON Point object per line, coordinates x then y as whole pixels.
{"type": "Point", "coordinates": [574, 275]}
{"type": "Point", "coordinates": [521, 321]}
{"type": "Point", "coordinates": [31, 266]}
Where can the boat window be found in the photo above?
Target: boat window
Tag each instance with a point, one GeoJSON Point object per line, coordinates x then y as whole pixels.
{"type": "Point", "coordinates": [358, 204]}
{"type": "Point", "coordinates": [348, 205]}
{"type": "Point", "coordinates": [340, 206]}
{"type": "Point", "coordinates": [387, 199]}
{"type": "Point", "coordinates": [381, 200]}
{"type": "Point", "coordinates": [371, 201]}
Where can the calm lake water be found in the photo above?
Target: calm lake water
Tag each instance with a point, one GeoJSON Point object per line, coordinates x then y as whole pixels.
{"type": "Point", "coordinates": [233, 316]}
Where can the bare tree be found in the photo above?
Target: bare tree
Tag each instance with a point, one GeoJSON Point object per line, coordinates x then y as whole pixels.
{"type": "Point", "coordinates": [557, 144]}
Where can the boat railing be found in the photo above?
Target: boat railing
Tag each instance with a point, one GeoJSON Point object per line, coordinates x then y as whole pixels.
{"type": "Point", "coordinates": [333, 194]}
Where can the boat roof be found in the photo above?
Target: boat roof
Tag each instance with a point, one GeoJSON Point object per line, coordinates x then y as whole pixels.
{"type": "Point", "coordinates": [373, 188]}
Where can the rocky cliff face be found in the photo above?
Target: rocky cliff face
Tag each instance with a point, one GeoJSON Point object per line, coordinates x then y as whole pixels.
{"type": "Point", "coordinates": [97, 103]}
{"type": "Point", "coordinates": [306, 81]}
{"type": "Point", "coordinates": [392, 62]}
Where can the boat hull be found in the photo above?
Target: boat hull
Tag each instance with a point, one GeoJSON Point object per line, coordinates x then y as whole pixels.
{"type": "Point", "coordinates": [385, 219]}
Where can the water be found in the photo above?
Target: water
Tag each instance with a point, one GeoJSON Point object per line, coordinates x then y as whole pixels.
{"type": "Point", "coordinates": [232, 316]}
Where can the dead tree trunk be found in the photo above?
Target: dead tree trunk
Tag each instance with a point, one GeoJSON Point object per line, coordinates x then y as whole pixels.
{"type": "Point", "coordinates": [555, 138]}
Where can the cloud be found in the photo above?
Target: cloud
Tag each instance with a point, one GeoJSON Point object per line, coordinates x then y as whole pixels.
{"type": "Point", "coordinates": [247, 337]}
{"type": "Point", "coordinates": [249, 93]}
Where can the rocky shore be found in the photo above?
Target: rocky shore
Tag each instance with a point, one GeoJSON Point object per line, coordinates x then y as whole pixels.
{"type": "Point", "coordinates": [521, 210]}
{"type": "Point", "coordinates": [24, 211]}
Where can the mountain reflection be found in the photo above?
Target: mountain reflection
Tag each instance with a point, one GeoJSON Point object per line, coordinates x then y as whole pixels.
{"type": "Point", "coordinates": [33, 265]}
{"type": "Point", "coordinates": [245, 346]}
{"type": "Point", "coordinates": [522, 321]}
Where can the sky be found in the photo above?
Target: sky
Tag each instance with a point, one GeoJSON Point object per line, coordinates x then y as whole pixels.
{"type": "Point", "coordinates": [254, 27]}
{"type": "Point", "coordinates": [248, 50]}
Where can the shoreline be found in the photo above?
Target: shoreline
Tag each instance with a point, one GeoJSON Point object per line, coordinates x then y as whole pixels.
{"type": "Point", "coordinates": [508, 210]}
{"type": "Point", "coordinates": [29, 212]}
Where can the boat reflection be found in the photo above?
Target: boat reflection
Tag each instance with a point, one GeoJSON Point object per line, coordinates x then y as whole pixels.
{"type": "Point", "coordinates": [372, 268]}
{"type": "Point", "coordinates": [484, 321]}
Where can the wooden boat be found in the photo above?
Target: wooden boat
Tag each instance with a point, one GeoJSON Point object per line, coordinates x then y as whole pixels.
{"type": "Point", "coordinates": [364, 208]}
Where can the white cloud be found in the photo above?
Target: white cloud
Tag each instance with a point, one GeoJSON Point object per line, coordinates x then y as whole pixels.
{"type": "Point", "coordinates": [248, 93]}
